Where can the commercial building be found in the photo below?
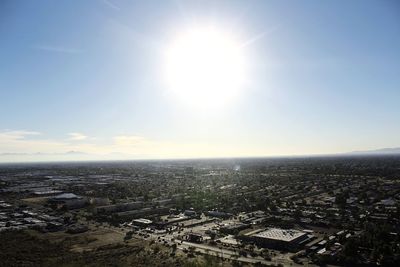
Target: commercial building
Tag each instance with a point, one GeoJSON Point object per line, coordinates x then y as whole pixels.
{"type": "Point", "coordinates": [276, 238]}
{"type": "Point", "coordinates": [142, 222]}
{"type": "Point", "coordinates": [121, 207]}
{"type": "Point", "coordinates": [133, 214]}
{"type": "Point", "coordinates": [68, 200]}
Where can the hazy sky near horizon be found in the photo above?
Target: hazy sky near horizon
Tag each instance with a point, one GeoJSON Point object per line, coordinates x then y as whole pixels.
{"type": "Point", "coordinates": [321, 77]}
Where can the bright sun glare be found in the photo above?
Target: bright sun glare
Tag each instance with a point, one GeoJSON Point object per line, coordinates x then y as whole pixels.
{"type": "Point", "coordinates": [205, 68]}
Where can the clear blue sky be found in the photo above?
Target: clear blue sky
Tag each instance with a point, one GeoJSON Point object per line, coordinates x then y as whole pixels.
{"type": "Point", "coordinates": [85, 76]}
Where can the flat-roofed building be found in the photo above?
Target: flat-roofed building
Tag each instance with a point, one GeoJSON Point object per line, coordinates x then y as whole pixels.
{"type": "Point", "coordinates": [119, 207]}
{"type": "Point", "coordinates": [133, 214]}
{"type": "Point", "coordinates": [194, 237]}
{"type": "Point", "coordinates": [287, 239]}
{"type": "Point", "coordinates": [141, 222]}
{"type": "Point", "coordinates": [68, 200]}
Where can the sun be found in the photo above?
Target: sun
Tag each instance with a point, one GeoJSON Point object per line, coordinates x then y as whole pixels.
{"type": "Point", "coordinates": [205, 68]}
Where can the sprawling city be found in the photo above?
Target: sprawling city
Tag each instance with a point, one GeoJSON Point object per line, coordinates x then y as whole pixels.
{"type": "Point", "coordinates": [336, 211]}
{"type": "Point", "coordinates": [199, 133]}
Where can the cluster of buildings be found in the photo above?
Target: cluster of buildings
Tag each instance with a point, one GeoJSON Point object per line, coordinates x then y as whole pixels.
{"type": "Point", "coordinates": [272, 205]}
{"type": "Point", "coordinates": [19, 218]}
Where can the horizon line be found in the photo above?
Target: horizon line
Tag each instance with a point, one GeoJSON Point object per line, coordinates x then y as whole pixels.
{"type": "Point", "coordinates": [333, 155]}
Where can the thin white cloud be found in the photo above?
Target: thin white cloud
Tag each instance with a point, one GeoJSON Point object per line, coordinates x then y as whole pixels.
{"type": "Point", "coordinates": [17, 145]}
{"type": "Point", "coordinates": [21, 141]}
{"type": "Point", "coordinates": [16, 135]}
{"type": "Point", "coordinates": [77, 136]}
{"type": "Point", "coordinates": [20, 146]}
{"type": "Point", "coordinates": [111, 4]}
{"type": "Point", "coordinates": [57, 49]}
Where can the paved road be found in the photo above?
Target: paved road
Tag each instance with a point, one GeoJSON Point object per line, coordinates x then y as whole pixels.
{"type": "Point", "coordinates": [224, 253]}
{"type": "Point", "coordinates": [233, 255]}
{"type": "Point", "coordinates": [208, 249]}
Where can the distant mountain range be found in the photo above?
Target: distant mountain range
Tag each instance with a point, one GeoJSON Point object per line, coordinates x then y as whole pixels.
{"type": "Point", "coordinates": [82, 156]}
{"type": "Point", "coordinates": [385, 151]}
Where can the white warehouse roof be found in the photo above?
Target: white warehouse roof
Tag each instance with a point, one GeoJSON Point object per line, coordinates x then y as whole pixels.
{"type": "Point", "coordinates": [280, 234]}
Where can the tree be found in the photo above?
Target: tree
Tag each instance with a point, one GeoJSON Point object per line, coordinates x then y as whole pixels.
{"type": "Point", "coordinates": [341, 200]}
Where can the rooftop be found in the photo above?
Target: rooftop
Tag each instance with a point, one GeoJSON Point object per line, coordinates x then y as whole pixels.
{"type": "Point", "coordinates": [280, 234]}
{"type": "Point", "coordinates": [66, 196]}
{"type": "Point", "coordinates": [143, 221]}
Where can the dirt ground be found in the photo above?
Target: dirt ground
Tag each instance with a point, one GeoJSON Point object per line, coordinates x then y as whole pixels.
{"type": "Point", "coordinates": [100, 246]}
{"type": "Point", "coordinates": [87, 241]}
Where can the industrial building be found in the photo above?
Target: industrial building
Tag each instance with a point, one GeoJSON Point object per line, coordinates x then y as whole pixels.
{"type": "Point", "coordinates": [276, 238]}
{"type": "Point", "coordinates": [141, 222]}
